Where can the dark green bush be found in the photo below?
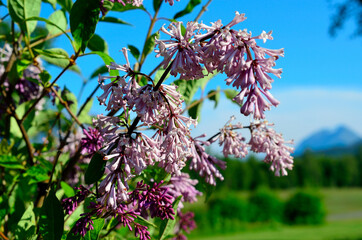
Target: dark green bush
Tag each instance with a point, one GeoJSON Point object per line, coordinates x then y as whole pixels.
{"type": "Point", "coordinates": [227, 212]}
{"type": "Point", "coordinates": [304, 208]}
{"type": "Point", "coordinates": [264, 206]}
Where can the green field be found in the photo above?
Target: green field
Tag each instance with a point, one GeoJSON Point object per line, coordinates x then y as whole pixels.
{"type": "Point", "coordinates": [344, 221]}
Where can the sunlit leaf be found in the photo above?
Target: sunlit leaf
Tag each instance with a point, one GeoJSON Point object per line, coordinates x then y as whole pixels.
{"type": "Point", "coordinates": [84, 17]}
{"type": "Point", "coordinates": [188, 9]}
{"type": "Point", "coordinates": [59, 19]}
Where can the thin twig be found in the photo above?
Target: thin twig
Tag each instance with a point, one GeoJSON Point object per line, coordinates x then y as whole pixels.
{"type": "Point", "coordinates": [203, 9]}
{"type": "Point", "coordinates": [65, 104]}
{"type": "Point", "coordinates": [45, 90]}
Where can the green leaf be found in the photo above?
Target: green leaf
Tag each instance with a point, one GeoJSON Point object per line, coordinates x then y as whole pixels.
{"type": "Point", "coordinates": [134, 51]}
{"type": "Point", "coordinates": [230, 94]}
{"type": "Point", "coordinates": [150, 44]}
{"type": "Point", "coordinates": [114, 20]}
{"type": "Point", "coordinates": [190, 6]}
{"type": "Point", "coordinates": [60, 62]}
{"type": "Point", "coordinates": [26, 225]}
{"type": "Point", "coordinates": [10, 162]}
{"type": "Point", "coordinates": [16, 10]}
{"type": "Point", "coordinates": [37, 174]}
{"type": "Point", "coordinates": [50, 23]}
{"type": "Point", "coordinates": [45, 78]}
{"type": "Point", "coordinates": [95, 169]}
{"type": "Point", "coordinates": [195, 111]}
{"type": "Point", "coordinates": [187, 89]}
{"type": "Point", "coordinates": [83, 21]}
{"type": "Point", "coordinates": [118, 7]}
{"type": "Point", "coordinates": [97, 227]}
{"type": "Point", "coordinates": [31, 9]}
{"type": "Point", "coordinates": [51, 221]}
{"type": "Point", "coordinates": [53, 53]}
{"type": "Point", "coordinates": [96, 43]}
{"type": "Point", "coordinates": [107, 60]}
{"type": "Point", "coordinates": [167, 226]}
{"type": "Point", "coordinates": [68, 190]}
{"type": "Point", "coordinates": [101, 70]}
{"type": "Point", "coordinates": [5, 147]}
{"type": "Point", "coordinates": [215, 97]}
{"type": "Point", "coordinates": [156, 5]}
{"type": "Point", "coordinates": [21, 65]}
{"type": "Point", "coordinates": [84, 116]}
{"type": "Point", "coordinates": [66, 4]}
{"type": "Point", "coordinates": [57, 18]}
{"type": "Point", "coordinates": [145, 222]}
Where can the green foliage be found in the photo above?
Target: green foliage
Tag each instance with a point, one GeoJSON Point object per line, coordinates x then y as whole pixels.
{"type": "Point", "coordinates": [107, 60]}
{"type": "Point", "coordinates": [95, 169]}
{"type": "Point", "coordinates": [97, 43]}
{"type": "Point", "coordinates": [114, 20]}
{"type": "Point", "coordinates": [215, 96]}
{"type": "Point", "coordinates": [26, 226]}
{"type": "Point", "coordinates": [84, 17]}
{"type": "Point", "coordinates": [304, 208]}
{"type": "Point", "coordinates": [57, 18]}
{"type": "Point", "coordinates": [20, 10]}
{"type": "Point", "coordinates": [264, 206]}
{"type": "Point", "coordinates": [150, 43]}
{"type": "Point", "coordinates": [134, 51]}
{"type": "Point", "coordinates": [195, 110]}
{"type": "Point", "coordinates": [190, 6]}
{"type": "Point", "coordinates": [51, 218]}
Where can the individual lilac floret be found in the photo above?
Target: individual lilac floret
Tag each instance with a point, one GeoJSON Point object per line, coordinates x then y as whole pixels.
{"type": "Point", "coordinates": [264, 139]}
{"type": "Point", "coordinates": [70, 204]}
{"type": "Point", "coordinates": [186, 62]}
{"type": "Point", "coordinates": [205, 164]}
{"type": "Point", "coordinates": [92, 141]}
{"type": "Point", "coordinates": [233, 143]}
{"type": "Point", "coordinates": [183, 186]}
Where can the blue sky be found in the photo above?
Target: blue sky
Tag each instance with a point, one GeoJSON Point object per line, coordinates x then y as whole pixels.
{"type": "Point", "coordinates": [321, 85]}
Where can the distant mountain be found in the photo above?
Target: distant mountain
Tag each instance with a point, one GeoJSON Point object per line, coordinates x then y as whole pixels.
{"type": "Point", "coordinates": [341, 137]}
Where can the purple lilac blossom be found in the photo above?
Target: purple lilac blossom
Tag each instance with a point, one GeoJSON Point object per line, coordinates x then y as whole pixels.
{"type": "Point", "coordinates": [92, 141]}
{"type": "Point", "coordinates": [205, 164]}
{"type": "Point", "coordinates": [264, 139]}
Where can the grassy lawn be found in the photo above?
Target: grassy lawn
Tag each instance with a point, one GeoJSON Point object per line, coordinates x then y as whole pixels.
{"type": "Point", "coordinates": [344, 220]}
{"type": "Point", "coordinates": [336, 230]}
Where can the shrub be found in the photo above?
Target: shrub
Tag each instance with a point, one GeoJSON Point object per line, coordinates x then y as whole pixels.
{"type": "Point", "coordinates": [304, 208]}
{"type": "Point", "coordinates": [264, 206]}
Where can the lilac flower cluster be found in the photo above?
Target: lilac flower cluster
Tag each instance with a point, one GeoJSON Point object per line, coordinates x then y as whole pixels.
{"type": "Point", "coordinates": [92, 141]}
{"type": "Point", "coordinates": [144, 201]}
{"type": "Point", "coordinates": [199, 50]}
{"type": "Point", "coordinates": [70, 204]}
{"type": "Point", "coordinates": [219, 48]}
{"type": "Point", "coordinates": [186, 224]}
{"type": "Point", "coordinates": [28, 85]}
{"type": "Point", "coordinates": [265, 140]}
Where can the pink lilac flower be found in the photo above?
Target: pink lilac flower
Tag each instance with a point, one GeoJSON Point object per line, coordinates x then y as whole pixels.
{"type": "Point", "coordinates": [83, 225]}
{"type": "Point", "coordinates": [92, 141]}
{"type": "Point", "coordinates": [264, 139]}
{"type": "Point", "coordinates": [71, 203]}
{"type": "Point", "coordinates": [186, 62]}
{"type": "Point", "coordinates": [184, 186]}
{"type": "Point", "coordinates": [233, 143]}
{"type": "Point", "coordinates": [156, 199]}
{"type": "Point", "coordinates": [203, 163]}
{"type": "Point", "coordinates": [142, 232]}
